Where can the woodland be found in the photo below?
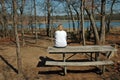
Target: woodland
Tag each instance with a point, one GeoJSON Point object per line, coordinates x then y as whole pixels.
{"type": "Point", "coordinates": [21, 48]}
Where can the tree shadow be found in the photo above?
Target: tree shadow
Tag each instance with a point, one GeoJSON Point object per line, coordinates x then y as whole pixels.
{"type": "Point", "coordinates": [8, 64]}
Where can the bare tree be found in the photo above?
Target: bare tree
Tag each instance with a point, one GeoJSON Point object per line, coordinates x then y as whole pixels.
{"type": "Point", "coordinates": [4, 19]}
{"type": "Point", "coordinates": [82, 21]}
{"type": "Point", "coordinates": [110, 16]}
{"type": "Point", "coordinates": [92, 21]}
{"type": "Point", "coordinates": [31, 17]}
{"type": "Point", "coordinates": [48, 16]}
{"type": "Point", "coordinates": [71, 14]}
{"type": "Point", "coordinates": [75, 6]}
{"type": "Point", "coordinates": [102, 27]}
{"type": "Point", "coordinates": [22, 27]}
{"type": "Point", "coordinates": [36, 35]}
{"type": "Point", "coordinates": [19, 61]}
{"type": "Point", "coordinates": [68, 16]}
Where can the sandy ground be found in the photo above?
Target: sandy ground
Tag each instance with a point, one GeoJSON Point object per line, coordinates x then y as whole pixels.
{"type": "Point", "coordinates": [34, 56]}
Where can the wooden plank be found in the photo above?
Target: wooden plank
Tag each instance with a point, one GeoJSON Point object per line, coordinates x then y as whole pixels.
{"type": "Point", "coordinates": [73, 49]}
{"type": "Point", "coordinates": [92, 63]}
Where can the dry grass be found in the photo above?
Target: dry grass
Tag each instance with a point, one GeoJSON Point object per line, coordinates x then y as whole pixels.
{"type": "Point", "coordinates": [33, 56]}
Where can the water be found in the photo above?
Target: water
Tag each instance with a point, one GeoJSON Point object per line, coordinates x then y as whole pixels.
{"type": "Point", "coordinates": [86, 24]}
{"type": "Point", "coordinates": [67, 24]}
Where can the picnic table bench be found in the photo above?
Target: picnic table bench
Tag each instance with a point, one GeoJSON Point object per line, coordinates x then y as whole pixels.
{"type": "Point", "coordinates": [96, 49]}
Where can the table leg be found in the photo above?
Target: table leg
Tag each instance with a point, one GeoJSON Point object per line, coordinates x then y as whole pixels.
{"type": "Point", "coordinates": [65, 69]}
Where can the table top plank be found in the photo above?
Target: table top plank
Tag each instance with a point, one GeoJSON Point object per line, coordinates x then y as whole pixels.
{"type": "Point", "coordinates": [90, 48]}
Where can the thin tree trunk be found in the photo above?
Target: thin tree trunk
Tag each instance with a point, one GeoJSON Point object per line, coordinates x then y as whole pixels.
{"type": "Point", "coordinates": [4, 18]}
{"type": "Point", "coordinates": [48, 16]}
{"type": "Point", "coordinates": [31, 18]}
{"type": "Point", "coordinates": [82, 22]}
{"type": "Point", "coordinates": [19, 59]}
{"type": "Point", "coordinates": [36, 35]}
{"type": "Point", "coordinates": [92, 11]}
{"type": "Point", "coordinates": [93, 26]}
{"type": "Point", "coordinates": [102, 29]}
{"type": "Point", "coordinates": [110, 16]}
{"type": "Point", "coordinates": [22, 27]}
{"type": "Point", "coordinates": [71, 14]}
{"type": "Point", "coordinates": [78, 18]}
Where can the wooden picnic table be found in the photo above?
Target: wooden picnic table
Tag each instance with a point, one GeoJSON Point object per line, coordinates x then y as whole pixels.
{"type": "Point", "coordinates": [96, 49]}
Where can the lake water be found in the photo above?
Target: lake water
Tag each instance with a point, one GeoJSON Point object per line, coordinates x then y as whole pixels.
{"type": "Point", "coordinates": [69, 24]}
{"type": "Point", "coordinates": [86, 24]}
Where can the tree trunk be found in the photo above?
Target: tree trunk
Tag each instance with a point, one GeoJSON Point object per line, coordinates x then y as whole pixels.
{"type": "Point", "coordinates": [71, 14]}
{"type": "Point", "coordinates": [82, 22]}
{"type": "Point", "coordinates": [36, 35]}
{"type": "Point", "coordinates": [48, 16]}
{"type": "Point", "coordinates": [102, 28]}
{"type": "Point", "coordinates": [93, 26]}
{"type": "Point", "coordinates": [78, 18]}
{"type": "Point", "coordinates": [92, 12]}
{"type": "Point", "coordinates": [22, 27]}
{"type": "Point", "coordinates": [19, 61]}
{"type": "Point", "coordinates": [4, 19]}
{"type": "Point", "coordinates": [110, 16]}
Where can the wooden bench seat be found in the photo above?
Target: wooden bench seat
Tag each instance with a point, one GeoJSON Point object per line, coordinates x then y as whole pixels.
{"type": "Point", "coordinates": [90, 63]}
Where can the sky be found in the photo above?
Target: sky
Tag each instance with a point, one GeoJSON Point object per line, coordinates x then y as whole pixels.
{"type": "Point", "coordinates": [57, 7]}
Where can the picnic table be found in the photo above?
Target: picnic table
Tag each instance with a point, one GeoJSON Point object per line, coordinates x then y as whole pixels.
{"type": "Point", "coordinates": [92, 49]}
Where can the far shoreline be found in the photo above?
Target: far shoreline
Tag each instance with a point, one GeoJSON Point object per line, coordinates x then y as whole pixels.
{"type": "Point", "coordinates": [56, 21]}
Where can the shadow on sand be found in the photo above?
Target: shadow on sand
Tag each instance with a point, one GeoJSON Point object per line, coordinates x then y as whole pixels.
{"type": "Point", "coordinates": [8, 64]}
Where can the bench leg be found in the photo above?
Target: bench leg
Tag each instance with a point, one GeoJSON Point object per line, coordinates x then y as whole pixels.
{"type": "Point", "coordinates": [65, 69]}
{"type": "Point", "coordinates": [96, 56]}
{"type": "Point", "coordinates": [103, 68]}
{"type": "Point", "coordinates": [110, 54]}
{"type": "Point", "coordinates": [91, 56]}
